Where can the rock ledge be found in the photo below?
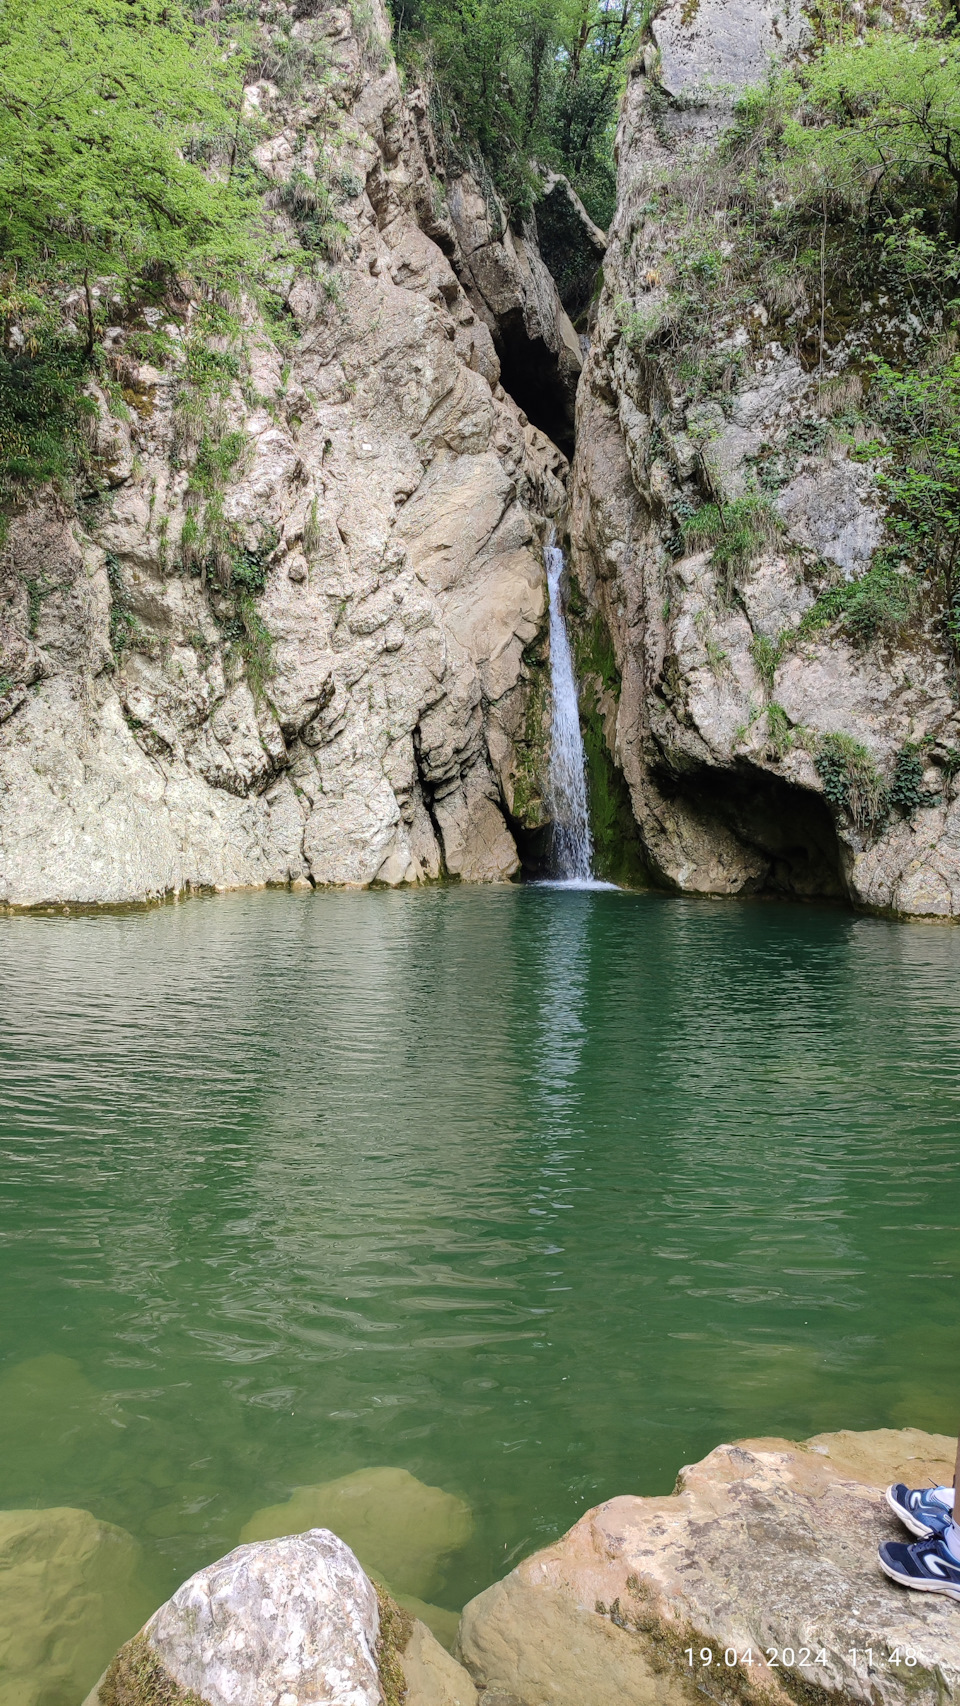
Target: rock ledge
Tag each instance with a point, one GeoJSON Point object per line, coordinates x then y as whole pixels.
{"type": "Point", "coordinates": [755, 1582]}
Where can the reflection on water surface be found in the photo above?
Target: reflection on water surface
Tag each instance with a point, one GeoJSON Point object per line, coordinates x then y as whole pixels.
{"type": "Point", "coordinates": [533, 1194]}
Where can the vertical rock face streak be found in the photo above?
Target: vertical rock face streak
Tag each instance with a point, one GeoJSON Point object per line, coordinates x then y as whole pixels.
{"type": "Point", "coordinates": [346, 697]}
{"type": "Point", "coordinates": [723, 702]}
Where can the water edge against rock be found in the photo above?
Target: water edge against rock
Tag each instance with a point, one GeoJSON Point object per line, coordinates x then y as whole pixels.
{"type": "Point", "coordinates": [757, 1577]}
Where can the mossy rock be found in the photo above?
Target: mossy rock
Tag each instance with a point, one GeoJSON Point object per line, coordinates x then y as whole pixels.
{"type": "Point", "coordinates": [396, 1628]}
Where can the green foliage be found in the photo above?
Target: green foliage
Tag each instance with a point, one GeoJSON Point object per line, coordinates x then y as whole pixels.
{"type": "Point", "coordinates": [42, 413]}
{"type": "Point", "coordinates": [876, 606]}
{"type": "Point", "coordinates": [106, 109]}
{"type": "Point", "coordinates": [827, 208]}
{"type": "Point", "coordinates": [851, 782]}
{"type": "Point", "coordinates": [907, 793]}
{"type": "Point", "coordinates": [767, 654]}
{"type": "Point", "coordinates": [254, 643]}
{"type": "Point", "coordinates": [919, 417]}
{"type": "Point", "coordinates": [248, 569]}
{"type": "Point", "coordinates": [879, 117]}
{"type": "Point", "coordinates": [524, 79]}
{"type": "Point", "coordinates": [780, 732]}
{"type": "Point", "coordinates": [735, 533]}
{"type": "Point", "coordinates": [912, 434]}
{"type": "Point", "coordinates": [216, 457]}
{"type": "Point", "coordinates": [309, 202]}
{"type": "Point", "coordinates": [120, 131]}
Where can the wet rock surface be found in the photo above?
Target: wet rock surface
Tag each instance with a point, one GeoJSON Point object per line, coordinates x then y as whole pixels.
{"type": "Point", "coordinates": [762, 1563]}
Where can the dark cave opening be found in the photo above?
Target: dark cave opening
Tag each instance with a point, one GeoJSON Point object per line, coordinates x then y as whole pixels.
{"type": "Point", "coordinates": [789, 826]}
{"type": "Point", "coordinates": [532, 375]}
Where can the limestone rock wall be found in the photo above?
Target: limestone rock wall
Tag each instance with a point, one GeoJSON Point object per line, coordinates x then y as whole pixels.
{"type": "Point", "coordinates": [728, 801]}
{"type": "Point", "coordinates": [344, 700]}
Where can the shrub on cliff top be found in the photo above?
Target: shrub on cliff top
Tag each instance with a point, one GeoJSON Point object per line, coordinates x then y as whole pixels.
{"type": "Point", "coordinates": [879, 120]}
{"type": "Point", "coordinates": [520, 80]}
{"type": "Point", "coordinates": [107, 108]}
{"type": "Point", "coordinates": [121, 125]}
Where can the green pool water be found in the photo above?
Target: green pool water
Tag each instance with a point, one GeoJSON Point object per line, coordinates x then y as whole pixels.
{"type": "Point", "coordinates": [534, 1194]}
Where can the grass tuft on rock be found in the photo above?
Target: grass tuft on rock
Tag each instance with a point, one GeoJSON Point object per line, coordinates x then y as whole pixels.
{"type": "Point", "coordinates": [851, 781]}
{"type": "Point", "coordinates": [735, 533]}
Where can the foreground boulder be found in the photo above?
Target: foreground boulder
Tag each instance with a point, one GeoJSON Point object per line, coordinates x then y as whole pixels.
{"type": "Point", "coordinates": [757, 1581]}
{"type": "Point", "coordinates": [288, 1622]}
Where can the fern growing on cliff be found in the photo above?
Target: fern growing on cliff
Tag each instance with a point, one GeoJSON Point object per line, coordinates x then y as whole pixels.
{"type": "Point", "coordinates": [851, 781]}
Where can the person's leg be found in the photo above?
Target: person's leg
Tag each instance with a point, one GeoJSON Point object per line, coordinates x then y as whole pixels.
{"type": "Point", "coordinates": [931, 1563]}
{"type": "Point", "coordinates": [952, 1535]}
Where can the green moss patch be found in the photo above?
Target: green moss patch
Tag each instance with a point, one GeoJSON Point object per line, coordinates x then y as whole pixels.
{"type": "Point", "coordinates": [618, 855]}
{"type": "Point", "coordinates": [617, 847]}
{"type": "Point", "coordinates": [396, 1628]}
{"type": "Point", "coordinates": [137, 1677]}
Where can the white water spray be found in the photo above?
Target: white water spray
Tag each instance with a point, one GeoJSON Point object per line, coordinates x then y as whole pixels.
{"type": "Point", "coordinates": [572, 842]}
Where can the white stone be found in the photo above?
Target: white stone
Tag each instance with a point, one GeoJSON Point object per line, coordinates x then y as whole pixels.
{"type": "Point", "coordinates": [294, 1618]}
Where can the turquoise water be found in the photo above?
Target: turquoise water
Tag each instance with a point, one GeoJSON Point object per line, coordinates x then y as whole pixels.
{"type": "Point", "coordinates": [535, 1194]}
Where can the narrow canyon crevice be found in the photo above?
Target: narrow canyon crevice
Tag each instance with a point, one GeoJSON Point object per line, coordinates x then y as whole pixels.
{"type": "Point", "coordinates": [531, 374]}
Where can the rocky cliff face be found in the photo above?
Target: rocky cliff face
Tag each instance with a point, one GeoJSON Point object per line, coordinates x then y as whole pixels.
{"type": "Point", "coordinates": [765, 749]}
{"type": "Point", "coordinates": [290, 633]}
{"type": "Point", "coordinates": [294, 631]}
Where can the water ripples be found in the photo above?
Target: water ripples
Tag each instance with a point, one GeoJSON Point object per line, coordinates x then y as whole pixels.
{"type": "Point", "coordinates": [536, 1193]}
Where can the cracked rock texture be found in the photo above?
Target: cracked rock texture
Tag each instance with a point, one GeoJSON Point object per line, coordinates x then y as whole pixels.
{"type": "Point", "coordinates": [765, 1555]}
{"type": "Point", "coordinates": [398, 498]}
{"type": "Point", "coordinates": [722, 806]}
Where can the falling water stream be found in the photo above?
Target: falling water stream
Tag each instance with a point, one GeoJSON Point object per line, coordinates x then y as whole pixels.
{"type": "Point", "coordinates": [572, 842]}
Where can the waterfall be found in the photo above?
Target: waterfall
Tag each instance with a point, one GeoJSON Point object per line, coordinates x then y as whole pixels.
{"type": "Point", "coordinates": [573, 846]}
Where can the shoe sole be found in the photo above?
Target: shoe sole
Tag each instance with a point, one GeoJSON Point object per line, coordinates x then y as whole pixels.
{"type": "Point", "coordinates": [952, 1589]}
{"type": "Point", "coordinates": [922, 1530]}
